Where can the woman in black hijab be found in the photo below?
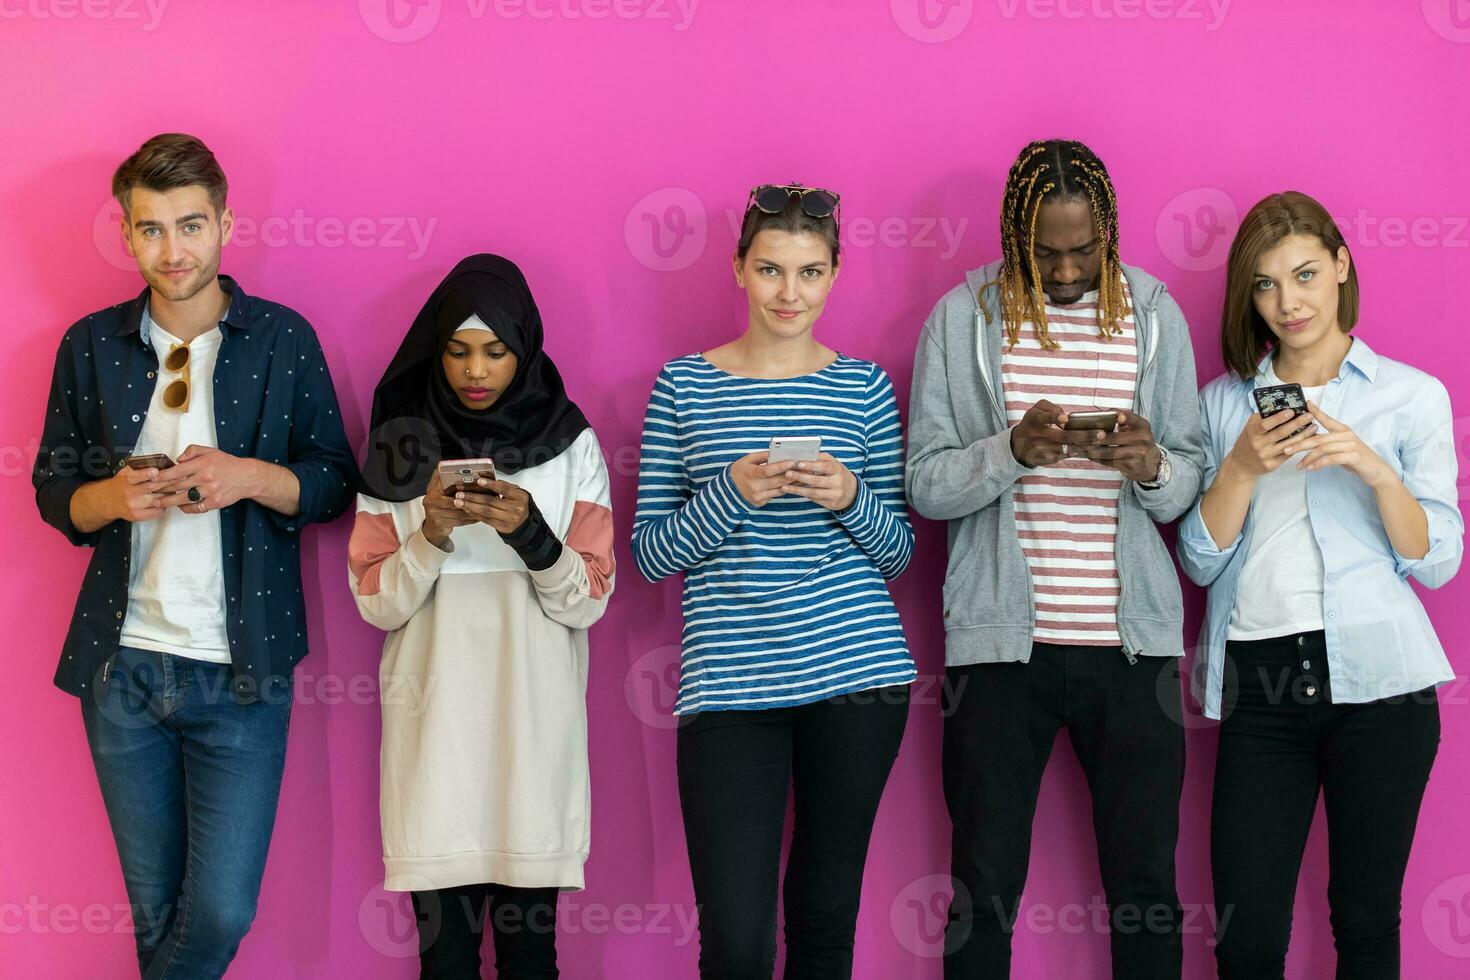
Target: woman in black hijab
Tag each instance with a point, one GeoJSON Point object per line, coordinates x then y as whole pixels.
{"type": "Point", "coordinates": [486, 591]}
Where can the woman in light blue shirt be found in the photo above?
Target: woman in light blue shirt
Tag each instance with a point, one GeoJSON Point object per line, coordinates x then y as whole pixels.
{"type": "Point", "coordinates": [1315, 653]}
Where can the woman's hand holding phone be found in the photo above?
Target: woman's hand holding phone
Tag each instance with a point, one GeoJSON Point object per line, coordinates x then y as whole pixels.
{"type": "Point", "coordinates": [1340, 446]}
{"type": "Point", "coordinates": [504, 506]}
{"type": "Point", "coordinates": [1265, 443]}
{"type": "Point", "coordinates": [441, 516]}
{"type": "Point", "coordinates": [824, 480]}
{"type": "Point", "coordinates": [758, 480]}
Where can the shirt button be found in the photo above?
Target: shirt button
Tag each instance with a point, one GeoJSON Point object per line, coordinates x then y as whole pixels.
{"type": "Point", "coordinates": [1316, 502]}
{"type": "Point", "coordinates": [1311, 692]}
{"type": "Point", "coordinates": [1332, 615]}
{"type": "Point", "coordinates": [1301, 641]}
{"type": "Point", "coordinates": [1306, 665]}
{"type": "Point", "coordinates": [150, 375]}
{"type": "Point", "coordinates": [135, 418]}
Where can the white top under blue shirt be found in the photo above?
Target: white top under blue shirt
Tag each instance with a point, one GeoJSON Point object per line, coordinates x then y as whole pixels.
{"type": "Point", "coordinates": [1380, 642]}
{"type": "Point", "coordinates": [788, 603]}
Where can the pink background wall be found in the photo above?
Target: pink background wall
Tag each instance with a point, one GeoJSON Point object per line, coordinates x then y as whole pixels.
{"type": "Point", "coordinates": [607, 148]}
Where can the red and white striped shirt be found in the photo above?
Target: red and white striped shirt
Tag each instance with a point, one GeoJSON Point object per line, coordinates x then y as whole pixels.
{"type": "Point", "coordinates": [1067, 514]}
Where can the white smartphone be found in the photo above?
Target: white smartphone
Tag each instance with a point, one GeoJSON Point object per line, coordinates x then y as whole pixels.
{"type": "Point", "coordinates": [461, 474]}
{"type": "Point", "coordinates": [795, 449]}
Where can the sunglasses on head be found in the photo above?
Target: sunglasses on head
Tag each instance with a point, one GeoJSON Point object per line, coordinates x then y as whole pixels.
{"type": "Point", "coordinates": [773, 198]}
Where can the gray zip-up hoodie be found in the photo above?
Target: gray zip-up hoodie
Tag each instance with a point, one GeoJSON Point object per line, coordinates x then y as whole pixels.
{"type": "Point", "coordinates": [961, 469]}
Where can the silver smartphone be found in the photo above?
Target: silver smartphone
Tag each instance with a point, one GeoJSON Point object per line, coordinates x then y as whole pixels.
{"type": "Point", "coordinates": [795, 449]}
{"type": "Point", "coordinates": [461, 474]}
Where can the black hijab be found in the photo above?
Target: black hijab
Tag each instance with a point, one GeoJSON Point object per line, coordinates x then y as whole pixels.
{"type": "Point", "coordinates": [417, 418]}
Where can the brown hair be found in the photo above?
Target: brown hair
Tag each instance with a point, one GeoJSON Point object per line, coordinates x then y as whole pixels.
{"type": "Point", "coordinates": [1055, 170]}
{"type": "Point", "coordinates": [1244, 336]}
{"type": "Point", "coordinates": [167, 161]}
{"type": "Point", "coordinates": [791, 219]}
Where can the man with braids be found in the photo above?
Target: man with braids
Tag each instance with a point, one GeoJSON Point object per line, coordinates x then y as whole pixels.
{"type": "Point", "coordinates": [1061, 604]}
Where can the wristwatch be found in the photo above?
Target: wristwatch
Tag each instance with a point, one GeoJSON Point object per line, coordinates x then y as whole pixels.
{"type": "Point", "coordinates": [1166, 470]}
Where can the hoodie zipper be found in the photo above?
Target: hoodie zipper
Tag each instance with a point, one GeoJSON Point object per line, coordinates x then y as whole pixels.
{"type": "Point", "coordinates": [1153, 347]}
{"type": "Point", "coordinates": [982, 360]}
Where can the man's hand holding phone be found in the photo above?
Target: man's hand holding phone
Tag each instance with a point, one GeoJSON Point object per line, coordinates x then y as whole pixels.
{"type": "Point", "coordinates": [133, 494]}
{"type": "Point", "coordinates": [1128, 447]}
{"type": "Point", "coordinates": [1041, 438]}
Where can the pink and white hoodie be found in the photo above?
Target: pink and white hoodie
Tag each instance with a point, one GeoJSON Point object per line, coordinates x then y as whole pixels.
{"type": "Point", "coordinates": [483, 683]}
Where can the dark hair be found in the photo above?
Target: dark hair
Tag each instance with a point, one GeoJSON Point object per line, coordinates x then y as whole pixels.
{"type": "Point", "coordinates": [167, 161]}
{"type": "Point", "coordinates": [791, 219]}
{"type": "Point", "coordinates": [1244, 336]}
{"type": "Point", "coordinates": [1055, 170]}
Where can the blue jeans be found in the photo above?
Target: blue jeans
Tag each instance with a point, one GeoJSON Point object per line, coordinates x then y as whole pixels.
{"type": "Point", "coordinates": [190, 779]}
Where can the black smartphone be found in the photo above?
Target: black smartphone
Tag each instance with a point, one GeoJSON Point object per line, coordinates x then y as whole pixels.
{"type": "Point", "coordinates": [1271, 399]}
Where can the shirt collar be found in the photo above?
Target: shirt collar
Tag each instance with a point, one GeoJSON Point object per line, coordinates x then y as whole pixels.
{"type": "Point", "coordinates": [1360, 357]}
{"type": "Point", "coordinates": [235, 316]}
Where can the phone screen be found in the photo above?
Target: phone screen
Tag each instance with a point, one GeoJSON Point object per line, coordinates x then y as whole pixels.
{"type": "Point", "coordinates": [1274, 398]}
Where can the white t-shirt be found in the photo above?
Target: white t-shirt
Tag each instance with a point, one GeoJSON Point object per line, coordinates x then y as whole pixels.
{"type": "Point", "coordinates": [1280, 585]}
{"type": "Point", "coordinates": [176, 581]}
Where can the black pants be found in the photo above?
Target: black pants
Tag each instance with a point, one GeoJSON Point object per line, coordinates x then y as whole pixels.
{"type": "Point", "coordinates": [452, 922]}
{"type": "Point", "coordinates": [1001, 721]}
{"type": "Point", "coordinates": [1281, 741]}
{"type": "Point", "coordinates": [736, 771]}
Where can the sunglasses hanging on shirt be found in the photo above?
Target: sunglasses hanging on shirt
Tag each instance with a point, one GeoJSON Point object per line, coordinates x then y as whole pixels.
{"type": "Point", "coordinates": [176, 395]}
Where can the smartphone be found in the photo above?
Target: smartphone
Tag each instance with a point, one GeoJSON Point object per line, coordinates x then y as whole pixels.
{"type": "Point", "coordinates": [461, 474]}
{"type": "Point", "coordinates": [1271, 399]}
{"type": "Point", "coordinates": [795, 449]}
{"type": "Point", "coordinates": [1106, 421]}
{"type": "Point", "coordinates": [159, 461]}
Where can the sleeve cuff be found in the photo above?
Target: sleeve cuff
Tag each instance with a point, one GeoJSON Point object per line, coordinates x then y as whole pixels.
{"type": "Point", "coordinates": [721, 497]}
{"type": "Point", "coordinates": [54, 500]}
{"type": "Point", "coordinates": [422, 556]}
{"type": "Point", "coordinates": [1195, 538]}
{"type": "Point", "coordinates": [858, 515]}
{"type": "Point", "coordinates": [559, 570]}
{"type": "Point", "coordinates": [996, 457]}
{"type": "Point", "coordinates": [534, 542]}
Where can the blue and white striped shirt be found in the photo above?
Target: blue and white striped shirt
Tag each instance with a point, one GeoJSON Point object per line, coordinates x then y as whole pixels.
{"type": "Point", "coordinates": [784, 604]}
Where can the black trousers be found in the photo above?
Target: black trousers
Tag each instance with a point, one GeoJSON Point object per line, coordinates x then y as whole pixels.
{"type": "Point", "coordinates": [451, 925]}
{"type": "Point", "coordinates": [736, 772]}
{"type": "Point", "coordinates": [1001, 720]}
{"type": "Point", "coordinates": [1282, 740]}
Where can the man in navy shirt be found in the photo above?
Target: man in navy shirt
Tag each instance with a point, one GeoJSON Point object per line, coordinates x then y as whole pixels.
{"type": "Point", "coordinates": [190, 434]}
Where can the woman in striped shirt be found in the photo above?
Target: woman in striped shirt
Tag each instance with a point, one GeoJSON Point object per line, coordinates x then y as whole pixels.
{"type": "Point", "coordinates": [794, 665]}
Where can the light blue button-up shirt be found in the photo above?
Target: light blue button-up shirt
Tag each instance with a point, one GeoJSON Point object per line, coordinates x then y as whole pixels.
{"type": "Point", "coordinates": [1380, 642]}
